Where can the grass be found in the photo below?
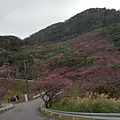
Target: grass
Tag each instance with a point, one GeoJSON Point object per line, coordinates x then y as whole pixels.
{"type": "Point", "coordinates": [16, 88]}
{"type": "Point", "coordinates": [94, 105]}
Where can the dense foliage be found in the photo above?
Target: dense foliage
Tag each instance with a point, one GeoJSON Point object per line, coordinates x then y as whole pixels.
{"type": "Point", "coordinates": [91, 58]}
{"type": "Point", "coordinates": [112, 34]}
{"type": "Point", "coordinates": [11, 43]}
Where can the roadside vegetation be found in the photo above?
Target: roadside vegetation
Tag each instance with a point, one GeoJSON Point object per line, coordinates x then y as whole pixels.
{"type": "Point", "coordinates": [92, 104]}
{"type": "Point", "coordinates": [15, 88]}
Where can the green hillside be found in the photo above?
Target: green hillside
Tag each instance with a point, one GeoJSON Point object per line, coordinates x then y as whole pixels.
{"type": "Point", "coordinates": [86, 21]}
{"type": "Point", "coordinates": [83, 49]}
{"type": "Point", "coordinates": [10, 43]}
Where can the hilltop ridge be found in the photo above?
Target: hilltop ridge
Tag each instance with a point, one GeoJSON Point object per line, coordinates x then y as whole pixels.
{"type": "Point", "coordinates": [86, 21]}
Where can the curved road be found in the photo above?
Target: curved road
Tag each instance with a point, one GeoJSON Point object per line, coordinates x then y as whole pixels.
{"type": "Point", "coordinates": [25, 111]}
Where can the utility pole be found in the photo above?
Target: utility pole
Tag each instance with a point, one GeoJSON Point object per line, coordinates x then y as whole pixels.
{"type": "Point", "coordinates": [8, 69]}
{"type": "Point", "coordinates": [25, 72]}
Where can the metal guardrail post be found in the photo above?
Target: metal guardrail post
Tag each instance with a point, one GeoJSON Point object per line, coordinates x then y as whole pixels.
{"type": "Point", "coordinates": [60, 116]}
{"type": "Point", "coordinates": [73, 118]}
{"type": "Point", "coordinates": [51, 113]}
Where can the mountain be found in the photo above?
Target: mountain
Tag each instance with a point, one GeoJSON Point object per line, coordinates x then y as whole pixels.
{"type": "Point", "coordinates": [86, 21]}
{"type": "Point", "coordinates": [11, 43]}
{"type": "Point", "coordinates": [84, 49]}
{"type": "Point", "coordinates": [8, 44]}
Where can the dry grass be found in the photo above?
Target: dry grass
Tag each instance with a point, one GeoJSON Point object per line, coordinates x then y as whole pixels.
{"type": "Point", "coordinates": [90, 103]}
{"type": "Point", "coordinates": [96, 97]}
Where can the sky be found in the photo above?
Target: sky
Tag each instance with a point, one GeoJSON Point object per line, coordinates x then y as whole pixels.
{"type": "Point", "coordinates": [22, 18]}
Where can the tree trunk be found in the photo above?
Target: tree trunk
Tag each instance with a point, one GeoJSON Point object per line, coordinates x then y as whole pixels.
{"type": "Point", "coordinates": [0, 104]}
{"type": "Point", "coordinates": [50, 105]}
{"type": "Point", "coordinates": [46, 104]}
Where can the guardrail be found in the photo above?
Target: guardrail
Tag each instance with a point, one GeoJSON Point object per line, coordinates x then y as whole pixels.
{"type": "Point", "coordinates": [93, 116]}
{"type": "Point", "coordinates": [6, 107]}
{"type": "Point", "coordinates": [36, 96]}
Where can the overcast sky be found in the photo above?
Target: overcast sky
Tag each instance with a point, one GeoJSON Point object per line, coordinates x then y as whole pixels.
{"type": "Point", "coordinates": [25, 17]}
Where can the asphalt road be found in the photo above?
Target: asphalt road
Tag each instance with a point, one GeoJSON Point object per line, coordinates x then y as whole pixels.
{"type": "Point", "coordinates": [25, 111]}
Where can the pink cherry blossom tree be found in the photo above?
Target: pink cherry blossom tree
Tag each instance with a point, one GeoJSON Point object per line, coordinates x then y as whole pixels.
{"type": "Point", "coordinates": [53, 87]}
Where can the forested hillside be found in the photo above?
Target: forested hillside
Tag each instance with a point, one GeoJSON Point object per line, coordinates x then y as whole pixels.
{"type": "Point", "coordinates": [83, 49]}
{"type": "Point", "coordinates": [86, 21]}
{"type": "Point", "coordinates": [8, 45]}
